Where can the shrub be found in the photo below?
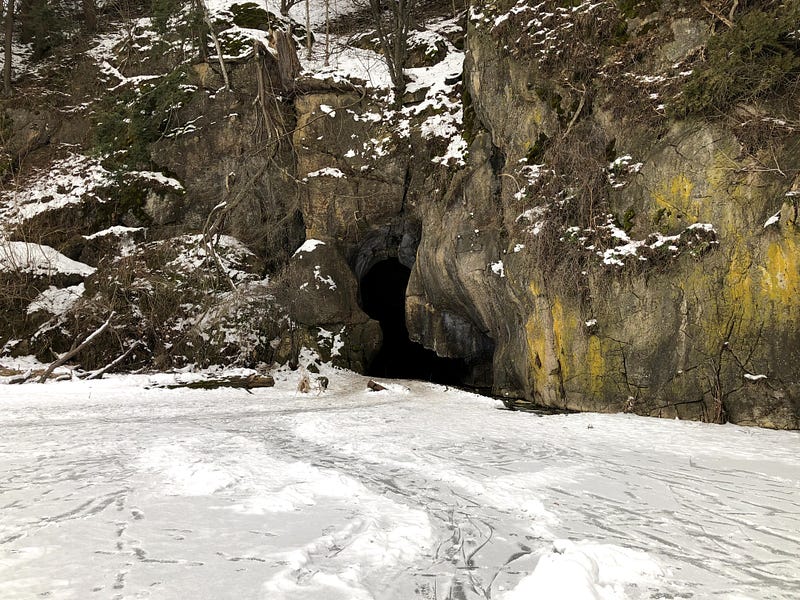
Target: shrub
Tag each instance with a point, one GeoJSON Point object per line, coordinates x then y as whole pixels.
{"type": "Point", "coordinates": [565, 36]}
{"type": "Point", "coordinates": [760, 54]}
{"type": "Point", "coordinates": [631, 9]}
{"type": "Point", "coordinates": [171, 296]}
{"type": "Point", "coordinates": [162, 11]}
{"type": "Point", "coordinates": [127, 123]}
{"type": "Point", "coordinates": [42, 26]}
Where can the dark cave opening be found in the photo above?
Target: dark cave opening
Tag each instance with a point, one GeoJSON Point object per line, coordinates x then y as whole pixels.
{"type": "Point", "coordinates": [383, 297]}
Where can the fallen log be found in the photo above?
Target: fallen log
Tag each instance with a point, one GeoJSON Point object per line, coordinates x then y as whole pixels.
{"type": "Point", "coordinates": [246, 383]}
{"type": "Point", "coordinates": [17, 379]}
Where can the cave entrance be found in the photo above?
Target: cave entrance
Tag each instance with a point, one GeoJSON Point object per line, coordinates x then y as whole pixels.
{"type": "Point", "coordinates": [383, 297]}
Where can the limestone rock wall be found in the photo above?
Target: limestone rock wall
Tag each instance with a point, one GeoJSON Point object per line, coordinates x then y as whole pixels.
{"type": "Point", "coordinates": [593, 250]}
{"type": "Point", "coordinates": [711, 333]}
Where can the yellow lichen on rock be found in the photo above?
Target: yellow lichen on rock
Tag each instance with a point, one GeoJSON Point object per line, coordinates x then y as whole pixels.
{"type": "Point", "coordinates": [543, 367]}
{"type": "Point", "coordinates": [764, 286]}
{"type": "Point", "coordinates": [595, 364]}
{"type": "Point", "coordinates": [565, 338]}
{"type": "Point", "coordinates": [781, 276]}
{"type": "Point", "coordinates": [557, 350]}
{"type": "Point", "coordinates": [674, 201]}
{"type": "Point", "coordinates": [740, 289]}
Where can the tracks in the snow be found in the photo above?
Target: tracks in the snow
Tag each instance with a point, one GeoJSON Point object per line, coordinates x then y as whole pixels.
{"type": "Point", "coordinates": [476, 543]}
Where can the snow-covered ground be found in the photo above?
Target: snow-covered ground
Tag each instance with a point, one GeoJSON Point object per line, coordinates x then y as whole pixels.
{"type": "Point", "coordinates": [113, 489]}
{"type": "Point", "coordinates": [316, 9]}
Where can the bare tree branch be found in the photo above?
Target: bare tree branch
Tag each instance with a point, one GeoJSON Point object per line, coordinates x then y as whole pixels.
{"type": "Point", "coordinates": [715, 13]}
{"type": "Point", "coordinates": [207, 18]}
{"type": "Point", "coordinates": [67, 355]}
{"type": "Point", "coordinates": [733, 10]}
{"type": "Point", "coordinates": [98, 374]}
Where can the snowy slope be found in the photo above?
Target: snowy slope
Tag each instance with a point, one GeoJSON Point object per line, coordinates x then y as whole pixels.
{"type": "Point", "coordinates": [316, 10]}
{"type": "Point", "coordinates": [113, 490]}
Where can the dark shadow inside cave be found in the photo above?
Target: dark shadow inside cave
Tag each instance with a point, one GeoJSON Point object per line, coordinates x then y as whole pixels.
{"type": "Point", "coordinates": [383, 297]}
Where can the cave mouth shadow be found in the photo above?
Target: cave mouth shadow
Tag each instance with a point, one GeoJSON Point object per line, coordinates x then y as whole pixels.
{"type": "Point", "coordinates": [383, 297]}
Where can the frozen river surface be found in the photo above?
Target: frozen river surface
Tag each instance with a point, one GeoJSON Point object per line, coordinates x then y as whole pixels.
{"type": "Point", "coordinates": [112, 490]}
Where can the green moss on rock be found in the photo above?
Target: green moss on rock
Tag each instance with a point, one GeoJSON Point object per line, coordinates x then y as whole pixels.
{"type": "Point", "coordinates": [251, 16]}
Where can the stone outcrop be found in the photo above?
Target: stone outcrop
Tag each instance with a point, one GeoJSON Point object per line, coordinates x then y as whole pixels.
{"type": "Point", "coordinates": [591, 251]}
{"type": "Point", "coordinates": [707, 330]}
{"type": "Point", "coordinates": [709, 336]}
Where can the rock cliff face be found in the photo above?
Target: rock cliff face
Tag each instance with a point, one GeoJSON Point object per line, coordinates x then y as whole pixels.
{"type": "Point", "coordinates": [579, 234]}
{"type": "Point", "coordinates": [670, 297]}
{"type": "Point", "coordinates": [707, 333]}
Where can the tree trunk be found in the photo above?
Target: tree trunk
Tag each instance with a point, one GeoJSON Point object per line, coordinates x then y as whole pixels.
{"type": "Point", "coordinates": [9, 32]}
{"type": "Point", "coordinates": [288, 62]}
{"type": "Point", "coordinates": [286, 5]}
{"type": "Point", "coordinates": [89, 15]}
{"type": "Point", "coordinates": [201, 29]}
{"type": "Point", "coordinates": [399, 47]}
{"type": "Point", "coordinates": [393, 37]}
{"type": "Point", "coordinates": [308, 31]}
{"type": "Point", "coordinates": [327, 32]}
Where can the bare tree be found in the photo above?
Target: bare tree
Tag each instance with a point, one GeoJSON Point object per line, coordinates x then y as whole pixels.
{"type": "Point", "coordinates": [9, 32]}
{"type": "Point", "coordinates": [393, 21]}
{"type": "Point", "coordinates": [286, 5]}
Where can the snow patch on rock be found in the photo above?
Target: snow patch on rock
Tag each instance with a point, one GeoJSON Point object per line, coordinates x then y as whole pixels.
{"type": "Point", "coordinates": [37, 259]}
{"type": "Point", "coordinates": [56, 301]}
{"type": "Point", "coordinates": [308, 246]}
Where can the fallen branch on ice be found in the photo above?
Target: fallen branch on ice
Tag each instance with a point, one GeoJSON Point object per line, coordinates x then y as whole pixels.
{"type": "Point", "coordinates": [247, 383]}
{"type": "Point", "coordinates": [67, 355]}
{"type": "Point", "coordinates": [98, 374]}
